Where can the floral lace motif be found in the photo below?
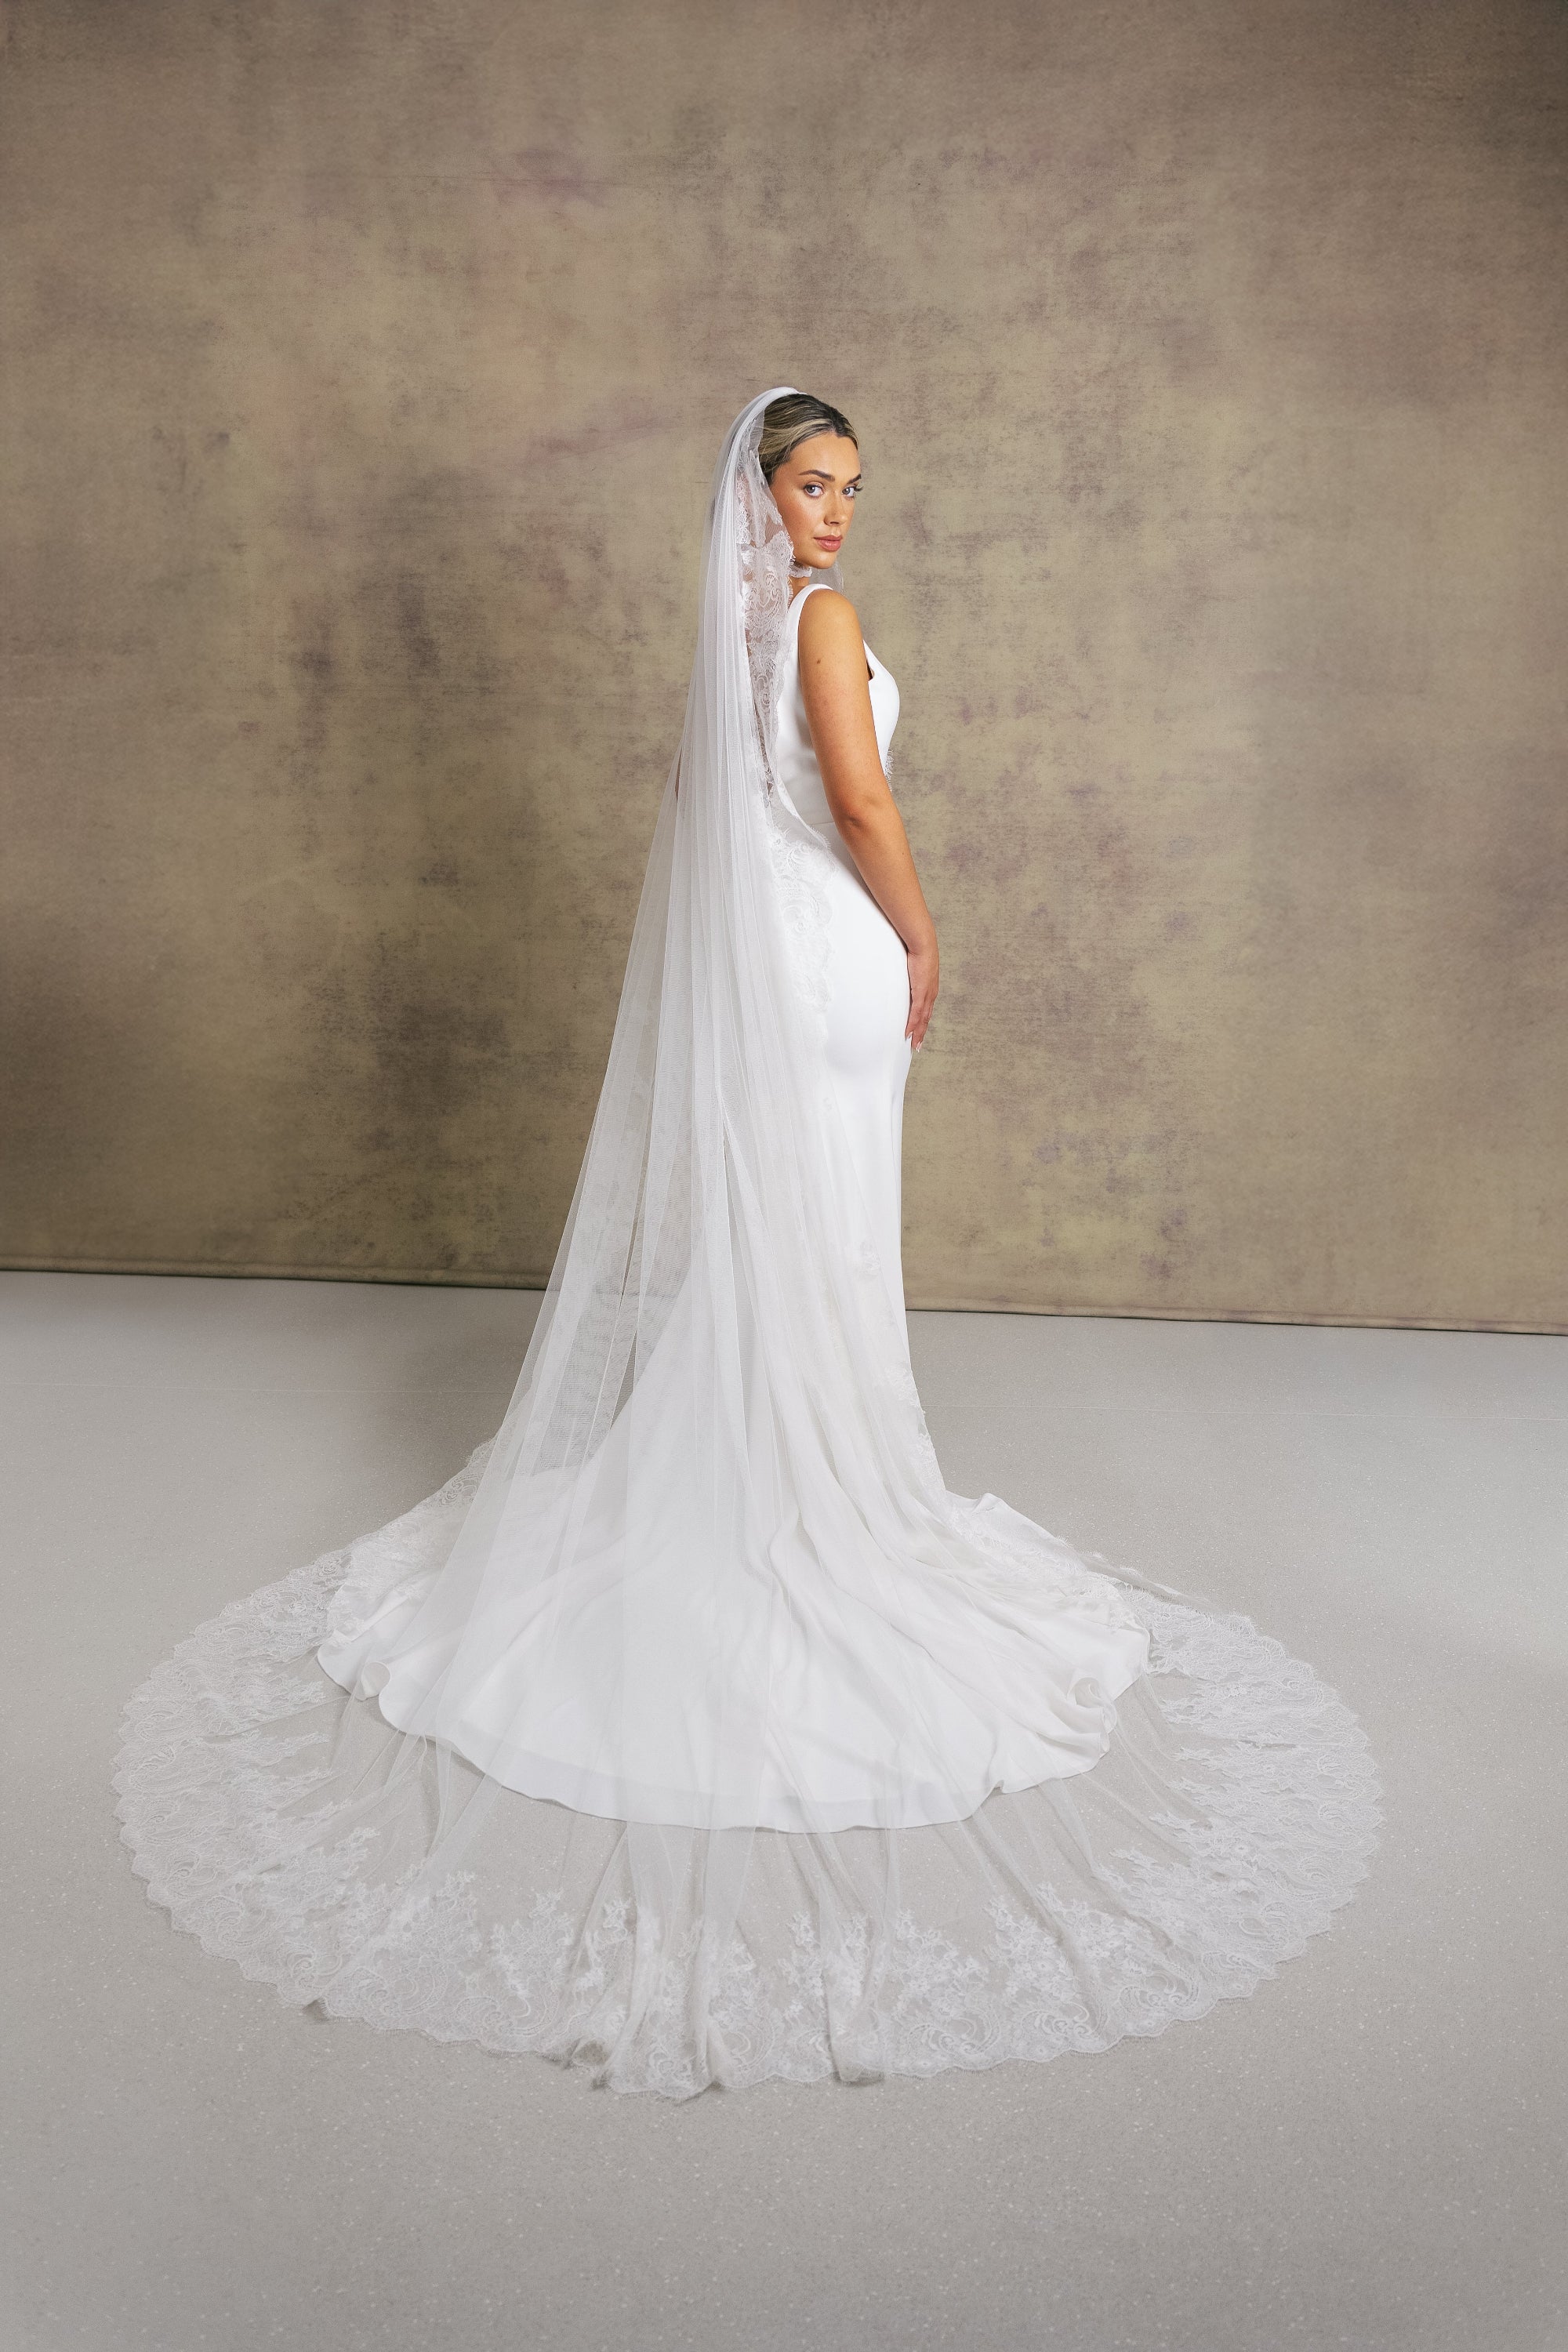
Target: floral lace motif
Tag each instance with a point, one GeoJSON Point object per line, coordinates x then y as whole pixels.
{"type": "Point", "coordinates": [1060, 1919]}
{"type": "Point", "coordinates": [765, 554]}
{"type": "Point", "coordinates": [801, 869]}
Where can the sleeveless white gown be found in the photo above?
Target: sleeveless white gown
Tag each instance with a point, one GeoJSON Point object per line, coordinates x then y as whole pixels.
{"type": "Point", "coordinates": [863, 974]}
{"type": "Point", "coordinates": [1140, 1808]}
{"type": "Point", "coordinates": [1011, 1689]}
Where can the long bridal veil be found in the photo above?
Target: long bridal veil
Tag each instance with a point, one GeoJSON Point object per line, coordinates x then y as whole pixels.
{"type": "Point", "coordinates": [694, 1732]}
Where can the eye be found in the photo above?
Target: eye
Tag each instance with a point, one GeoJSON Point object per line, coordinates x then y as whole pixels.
{"type": "Point", "coordinates": [812, 489]}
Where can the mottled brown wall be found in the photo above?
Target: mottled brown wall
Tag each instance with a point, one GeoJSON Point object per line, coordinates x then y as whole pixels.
{"type": "Point", "coordinates": [365, 363]}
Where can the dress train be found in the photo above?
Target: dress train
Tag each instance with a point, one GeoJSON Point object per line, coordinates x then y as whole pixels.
{"type": "Point", "coordinates": [694, 1732]}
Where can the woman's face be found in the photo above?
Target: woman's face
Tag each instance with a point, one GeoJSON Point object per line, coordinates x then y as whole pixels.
{"type": "Point", "coordinates": [814, 491]}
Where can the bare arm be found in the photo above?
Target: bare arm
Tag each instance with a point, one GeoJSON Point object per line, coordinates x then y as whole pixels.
{"type": "Point", "coordinates": [838, 698]}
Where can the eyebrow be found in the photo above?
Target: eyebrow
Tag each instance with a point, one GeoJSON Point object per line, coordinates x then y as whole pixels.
{"type": "Point", "coordinates": [821, 474]}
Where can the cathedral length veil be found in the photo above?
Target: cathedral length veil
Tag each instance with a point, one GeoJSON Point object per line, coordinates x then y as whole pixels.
{"type": "Point", "coordinates": [546, 1763]}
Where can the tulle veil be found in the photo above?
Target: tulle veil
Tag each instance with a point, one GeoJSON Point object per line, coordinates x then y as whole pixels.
{"type": "Point", "coordinates": [649, 1870]}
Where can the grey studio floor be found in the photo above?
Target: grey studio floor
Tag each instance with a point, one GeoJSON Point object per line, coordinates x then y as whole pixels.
{"type": "Point", "coordinates": [1368, 2153]}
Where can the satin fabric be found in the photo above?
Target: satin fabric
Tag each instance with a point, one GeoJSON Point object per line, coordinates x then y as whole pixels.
{"type": "Point", "coordinates": [884, 1703]}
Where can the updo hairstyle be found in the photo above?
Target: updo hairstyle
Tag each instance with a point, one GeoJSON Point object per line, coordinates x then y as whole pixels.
{"type": "Point", "coordinates": [796, 418]}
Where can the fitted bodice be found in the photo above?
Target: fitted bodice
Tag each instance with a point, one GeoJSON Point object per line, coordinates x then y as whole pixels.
{"type": "Point", "coordinates": [796, 759]}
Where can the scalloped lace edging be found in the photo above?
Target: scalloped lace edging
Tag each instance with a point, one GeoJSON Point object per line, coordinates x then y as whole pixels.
{"type": "Point", "coordinates": [1115, 1903]}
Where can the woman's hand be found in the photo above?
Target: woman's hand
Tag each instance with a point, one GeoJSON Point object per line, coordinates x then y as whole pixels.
{"type": "Point", "coordinates": [923, 990]}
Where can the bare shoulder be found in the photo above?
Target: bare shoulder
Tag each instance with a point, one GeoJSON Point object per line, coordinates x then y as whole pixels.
{"type": "Point", "coordinates": [830, 630]}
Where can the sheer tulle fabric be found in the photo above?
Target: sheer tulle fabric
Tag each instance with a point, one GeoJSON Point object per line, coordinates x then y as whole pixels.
{"type": "Point", "coordinates": [695, 1732]}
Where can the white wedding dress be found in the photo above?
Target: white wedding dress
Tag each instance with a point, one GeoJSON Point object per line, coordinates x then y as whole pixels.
{"type": "Point", "coordinates": [695, 1732]}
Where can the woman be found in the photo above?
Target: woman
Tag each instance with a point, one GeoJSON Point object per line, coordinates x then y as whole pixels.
{"type": "Point", "coordinates": [695, 1732]}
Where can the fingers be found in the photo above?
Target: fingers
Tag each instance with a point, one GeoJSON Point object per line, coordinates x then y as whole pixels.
{"type": "Point", "coordinates": [923, 1000]}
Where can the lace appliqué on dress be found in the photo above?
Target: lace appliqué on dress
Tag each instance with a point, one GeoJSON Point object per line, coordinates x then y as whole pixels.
{"type": "Point", "coordinates": [802, 866]}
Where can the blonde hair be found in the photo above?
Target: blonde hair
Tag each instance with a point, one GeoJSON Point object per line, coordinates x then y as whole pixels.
{"type": "Point", "coordinates": [796, 418]}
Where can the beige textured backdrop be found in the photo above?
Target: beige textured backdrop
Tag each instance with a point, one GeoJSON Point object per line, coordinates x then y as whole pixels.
{"type": "Point", "coordinates": [365, 365]}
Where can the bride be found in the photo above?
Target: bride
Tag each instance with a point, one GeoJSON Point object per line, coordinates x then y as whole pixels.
{"type": "Point", "coordinates": [694, 1732]}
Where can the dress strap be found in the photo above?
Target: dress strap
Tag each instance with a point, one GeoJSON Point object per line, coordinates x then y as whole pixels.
{"type": "Point", "coordinates": [796, 602]}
